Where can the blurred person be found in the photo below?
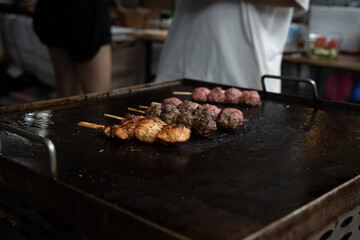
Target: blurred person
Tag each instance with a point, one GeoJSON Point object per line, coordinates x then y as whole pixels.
{"type": "Point", "coordinates": [77, 34]}
{"type": "Point", "coordinates": [231, 42]}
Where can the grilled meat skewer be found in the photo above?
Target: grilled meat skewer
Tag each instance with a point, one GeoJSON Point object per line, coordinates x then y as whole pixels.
{"type": "Point", "coordinates": [148, 130]}
{"type": "Point", "coordinates": [197, 117]}
{"type": "Point", "coordinates": [218, 95]}
{"type": "Point", "coordinates": [231, 118]}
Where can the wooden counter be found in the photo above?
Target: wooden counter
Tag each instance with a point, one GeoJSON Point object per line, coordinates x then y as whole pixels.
{"type": "Point", "coordinates": [344, 62]}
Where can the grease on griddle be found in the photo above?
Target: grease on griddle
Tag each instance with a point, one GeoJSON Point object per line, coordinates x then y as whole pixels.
{"type": "Point", "coordinates": [133, 148]}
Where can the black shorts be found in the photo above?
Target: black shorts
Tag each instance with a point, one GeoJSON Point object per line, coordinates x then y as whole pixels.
{"type": "Point", "coordinates": [80, 27]}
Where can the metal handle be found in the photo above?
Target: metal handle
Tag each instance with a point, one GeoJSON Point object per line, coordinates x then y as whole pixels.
{"type": "Point", "coordinates": [48, 143]}
{"type": "Point", "coordinates": [305, 80]}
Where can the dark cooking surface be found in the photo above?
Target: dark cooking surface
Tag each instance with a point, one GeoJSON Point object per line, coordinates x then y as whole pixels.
{"type": "Point", "coordinates": [232, 184]}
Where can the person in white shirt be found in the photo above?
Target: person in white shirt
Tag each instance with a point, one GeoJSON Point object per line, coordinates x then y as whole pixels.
{"type": "Point", "coordinates": [231, 42]}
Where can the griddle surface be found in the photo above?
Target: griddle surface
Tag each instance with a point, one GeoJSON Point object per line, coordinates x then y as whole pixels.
{"type": "Point", "coordinates": [232, 184]}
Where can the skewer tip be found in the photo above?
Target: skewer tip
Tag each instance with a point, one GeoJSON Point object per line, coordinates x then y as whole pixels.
{"type": "Point", "coordinates": [91, 125]}
{"type": "Point", "coordinates": [182, 93]}
{"type": "Point", "coordinates": [113, 116]}
{"type": "Point", "coordinates": [143, 107]}
{"type": "Point", "coordinates": [136, 110]}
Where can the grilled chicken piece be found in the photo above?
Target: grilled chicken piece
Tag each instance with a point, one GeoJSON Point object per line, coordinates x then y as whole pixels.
{"type": "Point", "coordinates": [147, 128]}
{"type": "Point", "coordinates": [109, 130]}
{"type": "Point", "coordinates": [159, 121]}
{"type": "Point", "coordinates": [126, 130]}
{"type": "Point", "coordinates": [176, 133]}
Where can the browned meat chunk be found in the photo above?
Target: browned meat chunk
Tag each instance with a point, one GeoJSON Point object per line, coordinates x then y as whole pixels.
{"type": "Point", "coordinates": [172, 100]}
{"type": "Point", "coordinates": [169, 113]}
{"type": "Point", "coordinates": [204, 126]}
{"type": "Point", "coordinates": [186, 116]}
{"type": "Point", "coordinates": [204, 112]}
{"type": "Point", "coordinates": [176, 133]}
{"type": "Point", "coordinates": [109, 130]}
{"type": "Point", "coordinates": [154, 110]}
{"type": "Point", "coordinates": [147, 129]}
{"type": "Point", "coordinates": [186, 106]}
{"type": "Point", "coordinates": [216, 95]}
{"type": "Point", "coordinates": [233, 95]}
{"type": "Point", "coordinates": [213, 108]}
{"type": "Point", "coordinates": [126, 130]}
{"type": "Point", "coordinates": [230, 118]}
{"type": "Point", "coordinates": [195, 105]}
{"type": "Point", "coordinates": [159, 121]}
{"type": "Point", "coordinates": [200, 94]}
{"type": "Point", "coordinates": [204, 121]}
{"type": "Point", "coordinates": [187, 119]}
{"type": "Point", "coordinates": [133, 117]}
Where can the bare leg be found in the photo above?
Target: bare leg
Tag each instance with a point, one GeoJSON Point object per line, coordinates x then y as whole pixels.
{"type": "Point", "coordinates": [66, 80]}
{"type": "Point", "coordinates": [95, 74]}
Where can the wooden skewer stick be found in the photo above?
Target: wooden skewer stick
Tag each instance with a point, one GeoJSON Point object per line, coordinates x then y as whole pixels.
{"type": "Point", "coordinates": [136, 110]}
{"type": "Point", "coordinates": [155, 103]}
{"type": "Point", "coordinates": [91, 125]}
{"type": "Point", "coordinates": [182, 93]}
{"type": "Point", "coordinates": [113, 116]}
{"type": "Point", "coordinates": [143, 107]}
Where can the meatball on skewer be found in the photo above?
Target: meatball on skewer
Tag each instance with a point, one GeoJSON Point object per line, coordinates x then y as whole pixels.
{"type": "Point", "coordinates": [233, 95]}
{"type": "Point", "coordinates": [231, 118]}
{"type": "Point", "coordinates": [251, 98]}
{"type": "Point", "coordinates": [218, 95]}
{"type": "Point", "coordinates": [200, 94]}
{"type": "Point", "coordinates": [172, 100]}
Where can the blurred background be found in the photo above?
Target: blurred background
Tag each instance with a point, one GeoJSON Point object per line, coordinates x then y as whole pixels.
{"type": "Point", "coordinates": [323, 44]}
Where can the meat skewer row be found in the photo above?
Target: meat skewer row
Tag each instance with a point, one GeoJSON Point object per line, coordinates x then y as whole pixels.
{"type": "Point", "coordinates": [156, 107]}
{"type": "Point", "coordinates": [218, 95]}
{"type": "Point", "coordinates": [202, 119]}
{"type": "Point", "coordinates": [203, 122]}
{"type": "Point", "coordinates": [188, 107]}
{"type": "Point", "coordinates": [145, 129]}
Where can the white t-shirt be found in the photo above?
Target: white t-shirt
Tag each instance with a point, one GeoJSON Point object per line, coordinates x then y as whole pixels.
{"type": "Point", "coordinates": [231, 42]}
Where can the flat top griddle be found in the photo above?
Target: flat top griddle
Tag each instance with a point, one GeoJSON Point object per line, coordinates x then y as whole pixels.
{"type": "Point", "coordinates": [288, 152]}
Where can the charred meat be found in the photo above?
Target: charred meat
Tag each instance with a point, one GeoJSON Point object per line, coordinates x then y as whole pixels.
{"type": "Point", "coordinates": [204, 121]}
{"type": "Point", "coordinates": [154, 110]}
{"type": "Point", "coordinates": [186, 116]}
{"type": "Point", "coordinates": [169, 113]}
{"type": "Point", "coordinates": [231, 118]}
{"type": "Point", "coordinates": [213, 108]}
